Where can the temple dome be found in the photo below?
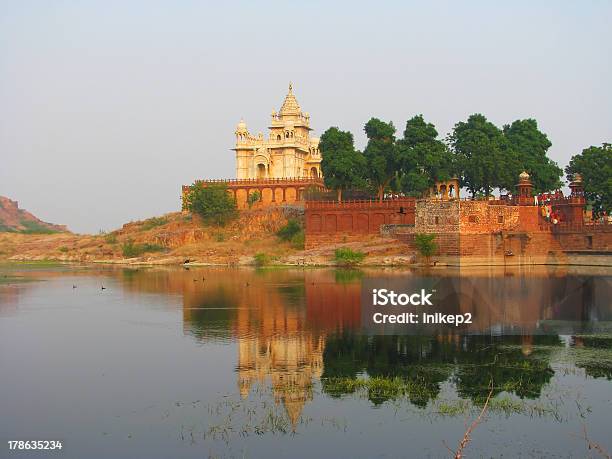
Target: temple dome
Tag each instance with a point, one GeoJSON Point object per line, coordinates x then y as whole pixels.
{"type": "Point", "coordinates": [241, 126]}
{"type": "Point", "coordinates": [524, 176]}
{"type": "Point", "coordinates": [290, 104]}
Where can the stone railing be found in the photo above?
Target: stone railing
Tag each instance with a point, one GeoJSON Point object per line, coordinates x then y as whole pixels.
{"type": "Point", "coordinates": [265, 181]}
{"type": "Point", "coordinates": [579, 200]}
{"type": "Point", "coordinates": [361, 204]}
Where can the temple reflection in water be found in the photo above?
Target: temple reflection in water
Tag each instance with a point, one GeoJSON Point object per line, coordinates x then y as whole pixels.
{"type": "Point", "coordinates": [293, 328]}
{"type": "Point", "coordinates": [280, 321]}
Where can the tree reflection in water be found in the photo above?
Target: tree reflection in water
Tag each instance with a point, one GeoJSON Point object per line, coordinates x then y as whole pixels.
{"type": "Point", "coordinates": [293, 328]}
{"type": "Point", "coordinates": [421, 364]}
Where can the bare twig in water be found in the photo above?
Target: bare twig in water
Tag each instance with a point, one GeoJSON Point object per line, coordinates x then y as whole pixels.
{"type": "Point", "coordinates": [591, 445]}
{"type": "Point", "coordinates": [466, 437]}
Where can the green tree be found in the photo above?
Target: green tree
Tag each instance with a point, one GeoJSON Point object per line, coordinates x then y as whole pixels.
{"type": "Point", "coordinates": [426, 245]}
{"type": "Point", "coordinates": [253, 198]}
{"type": "Point", "coordinates": [345, 256]}
{"type": "Point", "coordinates": [485, 157]}
{"type": "Point", "coordinates": [381, 154]}
{"type": "Point", "coordinates": [292, 228]}
{"type": "Point", "coordinates": [343, 167]}
{"type": "Point", "coordinates": [424, 159]}
{"type": "Point", "coordinates": [595, 166]}
{"type": "Point", "coordinates": [531, 146]}
{"type": "Point", "coordinates": [212, 202]}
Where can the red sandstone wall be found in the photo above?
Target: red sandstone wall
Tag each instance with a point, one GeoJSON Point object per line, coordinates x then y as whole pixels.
{"type": "Point", "coordinates": [329, 222]}
{"type": "Point", "coordinates": [474, 217]}
{"type": "Point", "coordinates": [586, 240]}
{"type": "Point", "coordinates": [537, 246]}
{"type": "Point", "coordinates": [489, 217]}
{"type": "Point", "coordinates": [488, 229]}
{"type": "Point", "coordinates": [570, 209]}
{"type": "Point", "coordinates": [529, 218]}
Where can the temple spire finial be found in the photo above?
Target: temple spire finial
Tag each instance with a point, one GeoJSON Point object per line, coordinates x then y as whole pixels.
{"type": "Point", "coordinates": [290, 87]}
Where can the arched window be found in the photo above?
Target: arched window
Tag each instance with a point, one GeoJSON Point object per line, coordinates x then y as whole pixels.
{"type": "Point", "coordinates": [261, 171]}
{"type": "Point", "coordinates": [278, 137]}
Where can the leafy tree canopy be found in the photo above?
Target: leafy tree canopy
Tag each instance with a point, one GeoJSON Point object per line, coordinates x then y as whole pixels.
{"type": "Point", "coordinates": [343, 167]}
{"type": "Point", "coordinates": [531, 146]}
{"type": "Point", "coordinates": [424, 159]}
{"type": "Point", "coordinates": [211, 202]}
{"type": "Point", "coordinates": [485, 157]}
{"type": "Point", "coordinates": [381, 154]}
{"type": "Point", "coordinates": [595, 166]}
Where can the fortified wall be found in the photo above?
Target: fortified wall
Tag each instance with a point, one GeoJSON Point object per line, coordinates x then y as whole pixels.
{"type": "Point", "coordinates": [330, 222]}
{"type": "Point", "coordinates": [512, 230]}
{"type": "Point", "coordinates": [487, 229]}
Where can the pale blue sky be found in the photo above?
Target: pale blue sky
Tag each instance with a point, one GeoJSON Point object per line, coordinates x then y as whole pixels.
{"type": "Point", "coordinates": [107, 107]}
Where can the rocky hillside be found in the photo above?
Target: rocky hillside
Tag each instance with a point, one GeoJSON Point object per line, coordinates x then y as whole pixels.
{"type": "Point", "coordinates": [16, 220]}
{"type": "Point", "coordinates": [171, 238]}
{"type": "Point", "coordinates": [176, 238]}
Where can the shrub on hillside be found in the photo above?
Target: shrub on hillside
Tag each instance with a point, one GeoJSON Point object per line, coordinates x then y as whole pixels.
{"type": "Point", "coordinates": [6, 229]}
{"type": "Point", "coordinates": [153, 222]}
{"type": "Point", "coordinates": [298, 240]}
{"type": "Point", "coordinates": [426, 245]}
{"type": "Point", "coordinates": [288, 231]}
{"type": "Point", "coordinates": [261, 259]}
{"type": "Point", "coordinates": [131, 250]}
{"type": "Point", "coordinates": [32, 227]}
{"type": "Point", "coordinates": [211, 202]}
{"type": "Point", "coordinates": [253, 198]}
{"type": "Point", "coordinates": [345, 256]}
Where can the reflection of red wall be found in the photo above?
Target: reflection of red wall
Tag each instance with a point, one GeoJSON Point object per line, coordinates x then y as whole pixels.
{"type": "Point", "coordinates": [332, 306]}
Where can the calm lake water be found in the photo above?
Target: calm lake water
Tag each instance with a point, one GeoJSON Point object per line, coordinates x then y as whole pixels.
{"type": "Point", "coordinates": [217, 362]}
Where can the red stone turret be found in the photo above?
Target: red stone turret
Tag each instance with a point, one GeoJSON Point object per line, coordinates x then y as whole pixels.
{"type": "Point", "coordinates": [574, 208]}
{"type": "Point", "coordinates": [525, 190]}
{"type": "Point", "coordinates": [576, 186]}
